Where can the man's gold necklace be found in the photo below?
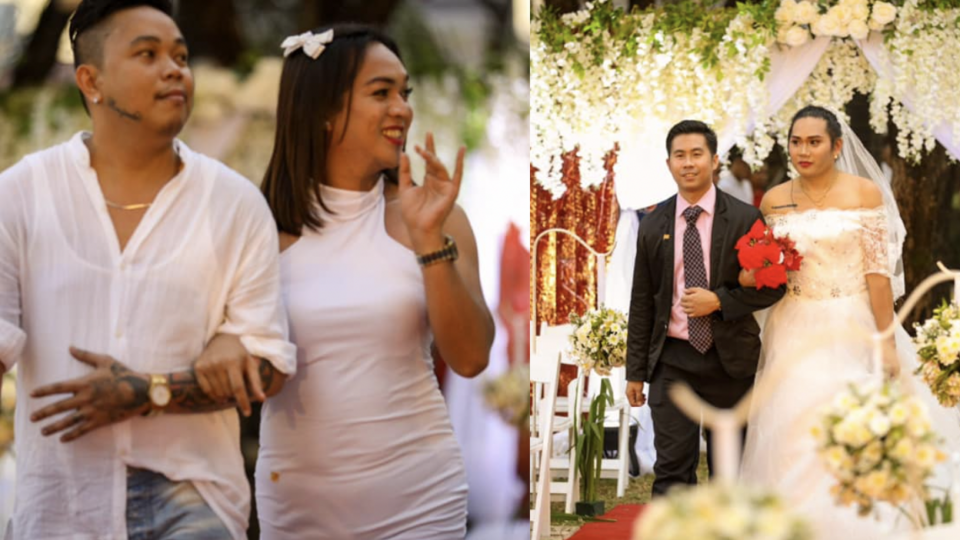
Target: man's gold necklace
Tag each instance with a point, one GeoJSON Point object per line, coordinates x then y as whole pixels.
{"type": "Point", "coordinates": [136, 206]}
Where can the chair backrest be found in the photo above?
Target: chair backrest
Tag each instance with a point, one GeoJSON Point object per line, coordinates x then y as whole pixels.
{"type": "Point", "coordinates": [544, 375]}
{"type": "Point", "coordinates": [556, 338]}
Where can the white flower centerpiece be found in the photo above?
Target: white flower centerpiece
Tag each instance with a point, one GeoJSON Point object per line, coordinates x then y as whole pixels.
{"type": "Point", "coordinates": [879, 445]}
{"type": "Point", "coordinates": [938, 349]}
{"type": "Point", "coordinates": [599, 341]}
{"type": "Point", "coordinates": [720, 511]}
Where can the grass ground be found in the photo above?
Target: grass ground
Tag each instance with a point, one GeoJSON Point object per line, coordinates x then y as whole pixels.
{"type": "Point", "coordinates": [638, 492]}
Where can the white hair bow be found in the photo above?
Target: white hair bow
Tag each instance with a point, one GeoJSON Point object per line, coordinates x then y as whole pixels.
{"type": "Point", "coordinates": [312, 44]}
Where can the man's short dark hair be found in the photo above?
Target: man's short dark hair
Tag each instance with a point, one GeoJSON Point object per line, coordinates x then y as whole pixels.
{"type": "Point", "coordinates": [87, 33]}
{"type": "Point", "coordinates": [687, 127]}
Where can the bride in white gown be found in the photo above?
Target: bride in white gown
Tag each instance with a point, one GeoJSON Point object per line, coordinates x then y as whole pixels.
{"type": "Point", "coordinates": [849, 232]}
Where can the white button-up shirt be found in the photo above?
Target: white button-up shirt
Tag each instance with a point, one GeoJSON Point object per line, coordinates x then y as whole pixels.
{"type": "Point", "coordinates": [203, 260]}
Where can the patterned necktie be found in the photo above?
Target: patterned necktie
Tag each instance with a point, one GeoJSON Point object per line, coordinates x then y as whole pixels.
{"type": "Point", "coordinates": [695, 275]}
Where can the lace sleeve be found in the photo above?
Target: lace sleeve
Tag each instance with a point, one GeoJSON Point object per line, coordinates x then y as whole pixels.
{"type": "Point", "coordinates": [874, 241]}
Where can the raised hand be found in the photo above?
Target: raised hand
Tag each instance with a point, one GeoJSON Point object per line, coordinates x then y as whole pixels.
{"type": "Point", "coordinates": [425, 208]}
{"type": "Point", "coordinates": [111, 394]}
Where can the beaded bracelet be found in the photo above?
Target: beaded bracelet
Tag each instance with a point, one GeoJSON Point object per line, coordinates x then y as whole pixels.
{"type": "Point", "coordinates": [447, 253]}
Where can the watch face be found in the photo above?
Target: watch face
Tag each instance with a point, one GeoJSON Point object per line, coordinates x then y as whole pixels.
{"type": "Point", "coordinates": [160, 395]}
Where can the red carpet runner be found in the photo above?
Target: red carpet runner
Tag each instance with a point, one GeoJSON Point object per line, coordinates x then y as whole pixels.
{"type": "Point", "coordinates": [624, 514]}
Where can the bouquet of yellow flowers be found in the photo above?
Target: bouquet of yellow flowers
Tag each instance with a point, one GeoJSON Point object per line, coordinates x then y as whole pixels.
{"type": "Point", "coordinates": [719, 511]}
{"type": "Point", "coordinates": [878, 444]}
{"type": "Point", "coordinates": [509, 395]}
{"type": "Point", "coordinates": [938, 349]}
{"type": "Point", "coordinates": [599, 340]}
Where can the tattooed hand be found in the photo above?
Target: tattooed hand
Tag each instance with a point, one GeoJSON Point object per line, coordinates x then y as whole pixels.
{"type": "Point", "coordinates": [111, 394]}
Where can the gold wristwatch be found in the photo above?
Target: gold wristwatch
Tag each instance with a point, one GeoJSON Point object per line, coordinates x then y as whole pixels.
{"type": "Point", "coordinates": [159, 394]}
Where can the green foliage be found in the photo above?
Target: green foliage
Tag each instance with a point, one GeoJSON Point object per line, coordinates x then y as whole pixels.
{"type": "Point", "coordinates": [939, 511]}
{"type": "Point", "coordinates": [690, 15]}
{"type": "Point", "coordinates": [680, 18]}
{"type": "Point", "coordinates": [18, 106]}
{"type": "Point", "coordinates": [590, 443]}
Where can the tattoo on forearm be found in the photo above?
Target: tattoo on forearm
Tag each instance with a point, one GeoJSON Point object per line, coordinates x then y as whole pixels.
{"type": "Point", "coordinates": [186, 393]}
{"type": "Point", "coordinates": [136, 117]}
{"type": "Point", "coordinates": [267, 375]}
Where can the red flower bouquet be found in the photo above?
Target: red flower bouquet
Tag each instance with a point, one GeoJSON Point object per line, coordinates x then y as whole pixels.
{"type": "Point", "coordinates": [770, 256]}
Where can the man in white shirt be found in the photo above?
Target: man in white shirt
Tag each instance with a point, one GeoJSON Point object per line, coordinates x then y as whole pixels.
{"type": "Point", "coordinates": [126, 243]}
{"type": "Point", "coordinates": [735, 179]}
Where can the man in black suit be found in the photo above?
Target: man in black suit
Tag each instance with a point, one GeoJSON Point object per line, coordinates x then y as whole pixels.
{"type": "Point", "coordinates": [690, 320]}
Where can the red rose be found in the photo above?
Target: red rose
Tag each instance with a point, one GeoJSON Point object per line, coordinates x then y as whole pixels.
{"type": "Point", "coordinates": [758, 231]}
{"type": "Point", "coordinates": [771, 276]}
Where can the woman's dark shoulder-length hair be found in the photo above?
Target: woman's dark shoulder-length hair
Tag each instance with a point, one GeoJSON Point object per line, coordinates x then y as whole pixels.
{"type": "Point", "coordinates": [312, 91]}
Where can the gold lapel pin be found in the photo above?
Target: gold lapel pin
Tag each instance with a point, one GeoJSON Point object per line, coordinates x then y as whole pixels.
{"type": "Point", "coordinates": [666, 237]}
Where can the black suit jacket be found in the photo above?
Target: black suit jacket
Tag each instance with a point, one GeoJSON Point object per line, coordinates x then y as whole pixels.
{"type": "Point", "coordinates": [736, 334]}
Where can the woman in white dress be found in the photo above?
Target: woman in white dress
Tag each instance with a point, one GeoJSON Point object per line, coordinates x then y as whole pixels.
{"type": "Point", "coordinates": [375, 270]}
{"type": "Point", "coordinates": [816, 340]}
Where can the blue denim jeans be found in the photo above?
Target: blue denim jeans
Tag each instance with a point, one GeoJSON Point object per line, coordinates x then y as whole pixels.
{"type": "Point", "coordinates": [160, 509]}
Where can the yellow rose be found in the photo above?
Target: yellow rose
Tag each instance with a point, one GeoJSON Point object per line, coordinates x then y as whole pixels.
{"type": "Point", "coordinates": [884, 13]}
{"type": "Point", "coordinates": [861, 12]}
{"type": "Point", "coordinates": [873, 453]}
{"type": "Point", "coordinates": [898, 414]}
{"type": "Point", "coordinates": [858, 29]}
{"type": "Point", "coordinates": [796, 36]}
{"type": "Point", "coordinates": [874, 483]}
{"type": "Point", "coordinates": [925, 456]}
{"type": "Point", "coordinates": [843, 14]}
{"type": "Point", "coordinates": [902, 450]}
{"type": "Point", "coordinates": [786, 13]}
{"type": "Point", "coordinates": [805, 13]}
{"type": "Point", "coordinates": [835, 457]}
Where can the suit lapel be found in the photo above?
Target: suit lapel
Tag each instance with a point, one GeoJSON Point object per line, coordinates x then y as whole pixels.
{"type": "Point", "coordinates": [716, 238]}
{"type": "Point", "coordinates": [668, 222]}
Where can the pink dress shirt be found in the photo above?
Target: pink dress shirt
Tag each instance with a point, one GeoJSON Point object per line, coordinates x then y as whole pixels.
{"type": "Point", "coordinates": [678, 319]}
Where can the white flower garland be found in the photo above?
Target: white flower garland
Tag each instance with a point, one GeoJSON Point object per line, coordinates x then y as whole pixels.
{"type": "Point", "coordinates": [921, 49]}
{"type": "Point", "coordinates": [591, 110]}
{"type": "Point", "coordinates": [797, 20]}
{"type": "Point", "coordinates": [590, 104]}
{"type": "Point", "coordinates": [841, 72]}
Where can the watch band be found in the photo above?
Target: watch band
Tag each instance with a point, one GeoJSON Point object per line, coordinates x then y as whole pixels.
{"type": "Point", "coordinates": [447, 253]}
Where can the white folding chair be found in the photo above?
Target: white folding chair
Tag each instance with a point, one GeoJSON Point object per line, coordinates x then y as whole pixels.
{"type": "Point", "coordinates": [555, 340]}
{"type": "Point", "coordinates": [619, 413]}
{"type": "Point", "coordinates": [544, 374]}
{"type": "Point", "coordinates": [558, 336]}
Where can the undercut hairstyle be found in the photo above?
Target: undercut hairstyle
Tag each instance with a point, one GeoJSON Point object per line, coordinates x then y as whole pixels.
{"type": "Point", "coordinates": [87, 33]}
{"type": "Point", "coordinates": [834, 131]}
{"type": "Point", "coordinates": [312, 92]}
{"type": "Point", "coordinates": [689, 127]}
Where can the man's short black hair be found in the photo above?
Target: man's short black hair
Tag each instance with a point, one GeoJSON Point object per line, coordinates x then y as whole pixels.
{"type": "Point", "coordinates": [86, 38]}
{"type": "Point", "coordinates": [687, 127]}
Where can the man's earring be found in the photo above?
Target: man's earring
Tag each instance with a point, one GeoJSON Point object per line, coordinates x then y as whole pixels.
{"type": "Point", "coordinates": [96, 101]}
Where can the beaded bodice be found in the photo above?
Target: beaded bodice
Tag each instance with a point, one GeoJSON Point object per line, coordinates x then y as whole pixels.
{"type": "Point", "coordinates": [839, 247]}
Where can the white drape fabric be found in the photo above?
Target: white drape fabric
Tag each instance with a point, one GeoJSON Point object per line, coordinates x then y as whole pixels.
{"type": "Point", "coordinates": [876, 54]}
